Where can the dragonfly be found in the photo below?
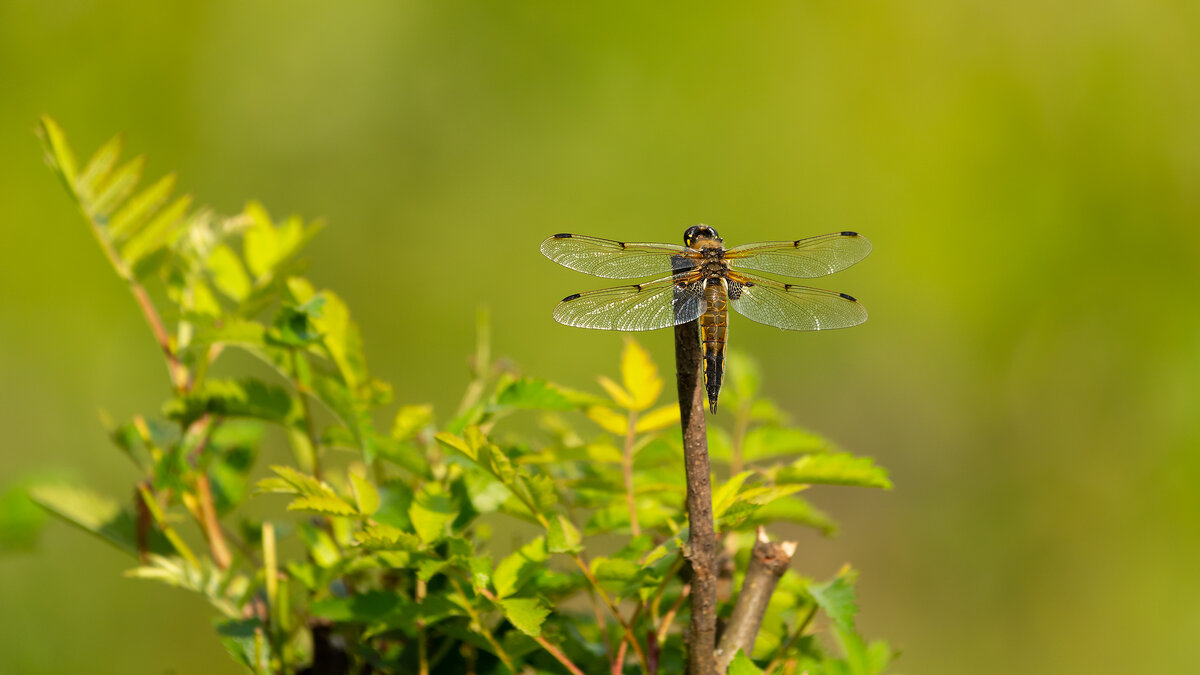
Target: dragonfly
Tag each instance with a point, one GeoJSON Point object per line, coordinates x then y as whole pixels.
{"type": "Point", "coordinates": [703, 280]}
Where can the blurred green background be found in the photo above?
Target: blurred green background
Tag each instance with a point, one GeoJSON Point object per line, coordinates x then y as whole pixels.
{"type": "Point", "coordinates": [1028, 171]}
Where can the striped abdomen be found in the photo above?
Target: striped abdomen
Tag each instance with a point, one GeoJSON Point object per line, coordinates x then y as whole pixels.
{"type": "Point", "coordinates": [714, 324]}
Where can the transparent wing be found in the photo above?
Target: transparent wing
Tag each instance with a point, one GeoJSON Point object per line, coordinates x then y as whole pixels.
{"type": "Point", "coordinates": [655, 304]}
{"type": "Point", "coordinates": [792, 307]}
{"type": "Point", "coordinates": [611, 259]}
{"type": "Point", "coordinates": [804, 258]}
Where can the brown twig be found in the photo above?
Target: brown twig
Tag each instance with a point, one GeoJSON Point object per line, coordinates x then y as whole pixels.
{"type": "Point", "coordinates": [768, 561]}
{"type": "Point", "coordinates": [702, 539]}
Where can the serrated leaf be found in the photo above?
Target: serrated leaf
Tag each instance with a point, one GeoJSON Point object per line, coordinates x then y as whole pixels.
{"type": "Point", "coordinates": [615, 569]}
{"type": "Point", "coordinates": [518, 568]}
{"type": "Point", "coordinates": [608, 419]}
{"type": "Point", "coordinates": [411, 419]}
{"type": "Point", "coordinates": [836, 598]}
{"type": "Point", "coordinates": [232, 398]}
{"type": "Point", "coordinates": [543, 491]}
{"type": "Point", "coordinates": [227, 273]}
{"type": "Point", "coordinates": [640, 376]}
{"type": "Point", "coordinates": [135, 212]}
{"type": "Point", "coordinates": [838, 469]}
{"type": "Point", "coordinates": [457, 444]}
{"type": "Point", "coordinates": [431, 512]}
{"type": "Point", "coordinates": [326, 505]}
{"type": "Point", "coordinates": [527, 614]}
{"type": "Point", "coordinates": [365, 495]}
{"type": "Point", "coordinates": [658, 419]}
{"type": "Point", "coordinates": [384, 536]}
{"type": "Point", "coordinates": [93, 513]}
{"type": "Point", "coordinates": [342, 339]}
{"type": "Point", "coordinates": [742, 665]}
{"type": "Point", "coordinates": [563, 536]}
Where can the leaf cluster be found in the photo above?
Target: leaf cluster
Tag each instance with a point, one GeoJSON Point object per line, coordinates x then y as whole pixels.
{"type": "Point", "coordinates": [379, 545]}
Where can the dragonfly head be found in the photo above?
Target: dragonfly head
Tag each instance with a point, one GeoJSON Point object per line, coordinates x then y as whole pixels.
{"type": "Point", "coordinates": [701, 235]}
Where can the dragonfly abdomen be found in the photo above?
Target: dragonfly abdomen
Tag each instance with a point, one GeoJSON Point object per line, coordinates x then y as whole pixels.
{"type": "Point", "coordinates": [714, 324]}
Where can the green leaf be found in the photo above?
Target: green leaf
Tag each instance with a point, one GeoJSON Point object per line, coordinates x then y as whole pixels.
{"type": "Point", "coordinates": [384, 536]}
{"type": "Point", "coordinates": [323, 504]}
{"type": "Point", "coordinates": [117, 188]}
{"type": "Point", "coordinates": [410, 420]}
{"type": "Point", "coordinates": [837, 469]}
{"type": "Point", "coordinates": [58, 152]}
{"type": "Point", "coordinates": [615, 569]}
{"type": "Point", "coordinates": [154, 236]}
{"type": "Point", "coordinates": [658, 419]}
{"type": "Point", "coordinates": [608, 419]}
{"type": "Point", "coordinates": [351, 411]}
{"type": "Point", "coordinates": [232, 398]}
{"type": "Point", "coordinates": [836, 599]}
{"type": "Point", "coordinates": [238, 637]}
{"type": "Point", "coordinates": [563, 536]}
{"type": "Point", "coordinates": [101, 516]}
{"type": "Point", "coordinates": [640, 375]}
{"type": "Point", "coordinates": [88, 184]}
{"type": "Point", "coordinates": [141, 207]}
{"type": "Point", "coordinates": [364, 607]}
{"type": "Point", "coordinates": [771, 441]}
{"type": "Point", "coordinates": [228, 274]}
{"type": "Point", "coordinates": [619, 396]}
{"type": "Point", "coordinates": [365, 495]}
{"type": "Point", "coordinates": [544, 492]}
{"type": "Point", "coordinates": [342, 339]}
{"type": "Point", "coordinates": [742, 665]}
{"type": "Point", "coordinates": [314, 495]}
{"type": "Point", "coordinates": [527, 614]}
{"type": "Point", "coordinates": [260, 242]}
{"type": "Point", "coordinates": [726, 495]}
{"type": "Point", "coordinates": [431, 512]}
{"type": "Point", "coordinates": [518, 568]}
{"type": "Point", "coordinates": [529, 393]}
{"type": "Point", "coordinates": [458, 445]}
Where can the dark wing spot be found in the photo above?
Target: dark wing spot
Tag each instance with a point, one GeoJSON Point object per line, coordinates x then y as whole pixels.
{"type": "Point", "coordinates": [788, 287]}
{"type": "Point", "coordinates": [563, 236]}
{"type": "Point", "coordinates": [849, 234]}
{"type": "Point", "coordinates": [571, 297]}
{"type": "Point", "coordinates": [622, 244]}
{"type": "Point", "coordinates": [851, 298]}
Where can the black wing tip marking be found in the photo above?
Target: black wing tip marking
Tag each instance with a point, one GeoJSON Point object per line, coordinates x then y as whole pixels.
{"type": "Point", "coordinates": [571, 297]}
{"type": "Point", "coordinates": [562, 236]}
{"type": "Point", "coordinates": [851, 298]}
{"type": "Point", "coordinates": [849, 233]}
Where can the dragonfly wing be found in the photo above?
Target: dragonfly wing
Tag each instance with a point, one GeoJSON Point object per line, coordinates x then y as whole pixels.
{"type": "Point", "coordinates": [792, 307]}
{"type": "Point", "coordinates": [803, 258]}
{"type": "Point", "coordinates": [611, 259]}
{"type": "Point", "coordinates": [655, 304]}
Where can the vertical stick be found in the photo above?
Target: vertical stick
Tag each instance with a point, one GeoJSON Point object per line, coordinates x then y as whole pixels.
{"type": "Point", "coordinates": [702, 538]}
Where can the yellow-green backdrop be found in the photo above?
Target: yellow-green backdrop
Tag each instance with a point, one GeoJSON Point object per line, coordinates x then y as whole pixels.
{"type": "Point", "coordinates": [1029, 172]}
